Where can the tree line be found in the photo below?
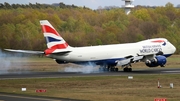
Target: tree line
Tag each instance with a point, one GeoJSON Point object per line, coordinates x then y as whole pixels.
{"type": "Point", "coordinates": [81, 26]}
{"type": "Point", "coordinates": [6, 5]}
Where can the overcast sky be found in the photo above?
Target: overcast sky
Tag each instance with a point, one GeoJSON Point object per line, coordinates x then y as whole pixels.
{"type": "Point", "coordinates": [94, 4]}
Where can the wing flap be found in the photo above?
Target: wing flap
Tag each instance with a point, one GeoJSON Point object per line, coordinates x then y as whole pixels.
{"type": "Point", "coordinates": [123, 62]}
{"type": "Point", "coordinates": [127, 61]}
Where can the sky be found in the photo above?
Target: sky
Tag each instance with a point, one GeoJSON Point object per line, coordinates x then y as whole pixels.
{"type": "Point", "coordinates": [94, 4]}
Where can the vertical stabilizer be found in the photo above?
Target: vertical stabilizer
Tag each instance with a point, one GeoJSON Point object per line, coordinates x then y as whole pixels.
{"type": "Point", "coordinates": [53, 38]}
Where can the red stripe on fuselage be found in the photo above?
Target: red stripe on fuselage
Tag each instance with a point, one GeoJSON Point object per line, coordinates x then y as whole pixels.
{"type": "Point", "coordinates": [53, 48]}
{"type": "Point", "coordinates": [158, 41]}
{"type": "Point", "coordinates": [60, 46]}
{"type": "Point", "coordinates": [48, 29]}
{"type": "Point", "coordinates": [49, 51]}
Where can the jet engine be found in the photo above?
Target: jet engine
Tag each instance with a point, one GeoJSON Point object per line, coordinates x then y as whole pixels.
{"type": "Point", "coordinates": [157, 61]}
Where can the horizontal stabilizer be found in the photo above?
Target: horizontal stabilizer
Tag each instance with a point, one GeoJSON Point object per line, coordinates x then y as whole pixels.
{"type": "Point", "coordinates": [61, 52]}
{"type": "Point", "coordinates": [25, 51]}
{"type": "Point", "coordinates": [56, 51]}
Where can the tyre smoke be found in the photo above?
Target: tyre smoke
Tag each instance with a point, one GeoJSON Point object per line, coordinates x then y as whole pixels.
{"type": "Point", "coordinates": [11, 63]}
{"type": "Point", "coordinates": [85, 68]}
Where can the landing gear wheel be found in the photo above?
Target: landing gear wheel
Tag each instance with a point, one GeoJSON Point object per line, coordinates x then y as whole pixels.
{"type": "Point", "coordinates": [108, 68]}
{"type": "Point", "coordinates": [113, 69]}
{"type": "Point", "coordinates": [127, 69]}
{"type": "Point", "coordinates": [116, 69]}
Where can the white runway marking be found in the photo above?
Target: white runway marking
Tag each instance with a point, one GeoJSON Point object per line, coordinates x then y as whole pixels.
{"type": "Point", "coordinates": [171, 71]}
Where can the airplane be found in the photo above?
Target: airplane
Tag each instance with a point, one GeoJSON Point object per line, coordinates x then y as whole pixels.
{"type": "Point", "coordinates": [153, 52]}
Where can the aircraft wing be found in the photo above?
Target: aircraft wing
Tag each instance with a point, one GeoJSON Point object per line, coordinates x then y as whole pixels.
{"type": "Point", "coordinates": [132, 59]}
{"type": "Point", "coordinates": [129, 60]}
{"type": "Point", "coordinates": [57, 52]}
{"type": "Point", "coordinates": [25, 51]}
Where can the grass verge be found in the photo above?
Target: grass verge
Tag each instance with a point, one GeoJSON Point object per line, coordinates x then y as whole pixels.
{"type": "Point", "coordinates": [106, 88]}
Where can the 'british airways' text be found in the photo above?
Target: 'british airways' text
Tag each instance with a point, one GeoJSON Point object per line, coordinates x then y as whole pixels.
{"type": "Point", "coordinates": [151, 49]}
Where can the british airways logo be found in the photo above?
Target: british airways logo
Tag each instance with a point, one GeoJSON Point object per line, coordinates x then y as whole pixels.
{"type": "Point", "coordinates": [160, 41]}
{"type": "Point", "coordinates": [153, 48]}
{"type": "Point", "coordinates": [50, 39]}
{"type": "Point", "coordinates": [164, 44]}
{"type": "Point", "coordinates": [150, 49]}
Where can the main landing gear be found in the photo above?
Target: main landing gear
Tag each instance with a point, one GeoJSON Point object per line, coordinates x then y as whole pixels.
{"type": "Point", "coordinates": [108, 69]}
{"type": "Point", "coordinates": [127, 69]}
{"type": "Point", "coordinates": [105, 68]}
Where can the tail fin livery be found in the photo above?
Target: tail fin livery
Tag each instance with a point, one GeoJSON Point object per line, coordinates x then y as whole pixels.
{"type": "Point", "coordinates": [53, 38]}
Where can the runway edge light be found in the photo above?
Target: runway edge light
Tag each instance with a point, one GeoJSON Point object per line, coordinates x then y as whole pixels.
{"type": "Point", "coordinates": [23, 89]}
{"type": "Point", "coordinates": [159, 86]}
{"type": "Point", "coordinates": [171, 85]}
{"type": "Point", "coordinates": [130, 77]}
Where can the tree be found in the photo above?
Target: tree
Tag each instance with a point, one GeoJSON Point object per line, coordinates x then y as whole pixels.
{"type": "Point", "coordinates": [7, 5]}
{"type": "Point", "coordinates": [1, 6]}
{"type": "Point", "coordinates": [81, 27]}
{"type": "Point", "coordinates": [62, 5]}
{"type": "Point", "coordinates": [7, 32]}
{"type": "Point", "coordinates": [142, 14]}
{"type": "Point", "coordinates": [170, 11]}
{"type": "Point", "coordinates": [149, 29]}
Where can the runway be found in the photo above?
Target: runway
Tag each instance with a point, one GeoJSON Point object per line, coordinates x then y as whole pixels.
{"type": "Point", "coordinates": [28, 74]}
{"type": "Point", "coordinates": [19, 97]}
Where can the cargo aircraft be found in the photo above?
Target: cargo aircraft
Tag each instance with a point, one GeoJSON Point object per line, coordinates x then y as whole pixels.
{"type": "Point", "coordinates": [153, 52]}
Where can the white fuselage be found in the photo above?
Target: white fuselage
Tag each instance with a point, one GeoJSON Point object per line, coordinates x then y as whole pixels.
{"type": "Point", "coordinates": [115, 51]}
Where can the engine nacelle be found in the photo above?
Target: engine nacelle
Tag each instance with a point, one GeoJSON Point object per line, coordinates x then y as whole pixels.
{"type": "Point", "coordinates": [61, 62]}
{"type": "Point", "coordinates": [157, 61]}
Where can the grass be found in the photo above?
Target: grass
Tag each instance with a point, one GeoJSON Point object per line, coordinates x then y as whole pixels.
{"type": "Point", "coordinates": [100, 88]}
{"type": "Point", "coordinates": [106, 88]}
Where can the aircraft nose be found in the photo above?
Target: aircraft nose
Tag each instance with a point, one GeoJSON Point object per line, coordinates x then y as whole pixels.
{"type": "Point", "coordinates": [173, 49]}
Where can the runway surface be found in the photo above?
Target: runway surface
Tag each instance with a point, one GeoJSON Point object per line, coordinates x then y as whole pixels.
{"type": "Point", "coordinates": [28, 74]}
{"type": "Point", "coordinates": [18, 97]}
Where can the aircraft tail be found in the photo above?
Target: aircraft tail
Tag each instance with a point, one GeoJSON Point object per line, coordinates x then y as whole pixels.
{"type": "Point", "coordinates": [53, 38]}
{"type": "Point", "coordinates": [55, 43]}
